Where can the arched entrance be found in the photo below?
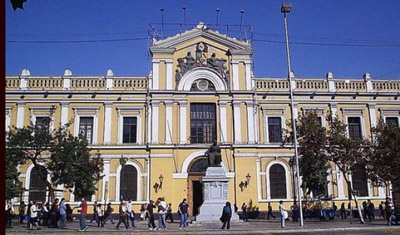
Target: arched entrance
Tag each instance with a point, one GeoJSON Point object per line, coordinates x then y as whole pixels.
{"type": "Point", "coordinates": [196, 170]}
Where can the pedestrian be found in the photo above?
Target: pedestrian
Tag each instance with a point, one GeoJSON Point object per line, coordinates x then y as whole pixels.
{"type": "Point", "coordinates": [226, 216]}
{"type": "Point", "coordinates": [334, 207]}
{"type": "Point", "coordinates": [295, 212]}
{"type": "Point", "coordinates": [123, 214]}
{"type": "Point", "coordinates": [82, 209]}
{"type": "Point", "coordinates": [382, 209]}
{"type": "Point", "coordinates": [100, 215]}
{"type": "Point", "coordinates": [284, 213]}
{"type": "Point", "coordinates": [54, 214]}
{"type": "Point", "coordinates": [34, 216]}
{"type": "Point", "coordinates": [28, 214]}
{"type": "Point", "coordinates": [9, 213]}
{"type": "Point", "coordinates": [161, 209]}
{"type": "Point", "coordinates": [169, 213]}
{"type": "Point", "coordinates": [143, 212]}
{"type": "Point", "coordinates": [63, 214]}
{"type": "Point", "coordinates": [94, 217]}
{"type": "Point", "coordinates": [131, 214]}
{"type": "Point", "coordinates": [343, 211]}
{"type": "Point", "coordinates": [183, 210]}
{"type": "Point", "coordinates": [245, 216]}
{"type": "Point", "coordinates": [150, 215]}
{"type": "Point", "coordinates": [68, 210]}
{"type": "Point", "coordinates": [108, 214]}
{"type": "Point", "coordinates": [22, 212]}
{"type": "Point", "coordinates": [45, 213]}
{"type": "Point", "coordinates": [390, 217]}
{"type": "Point", "coordinates": [371, 210]}
{"type": "Point", "coordinates": [270, 211]}
{"type": "Point", "coordinates": [365, 210]}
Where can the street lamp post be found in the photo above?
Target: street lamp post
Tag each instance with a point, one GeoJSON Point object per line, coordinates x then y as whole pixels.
{"type": "Point", "coordinates": [286, 8]}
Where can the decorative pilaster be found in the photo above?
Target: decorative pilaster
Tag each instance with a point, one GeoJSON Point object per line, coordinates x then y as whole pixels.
{"type": "Point", "coordinates": [156, 75]}
{"type": "Point", "coordinates": [237, 122]}
{"type": "Point", "coordinates": [372, 114]}
{"type": "Point", "coordinates": [182, 122]}
{"type": "Point", "coordinates": [168, 122]}
{"type": "Point", "coordinates": [368, 82]}
{"type": "Point", "coordinates": [106, 179]}
{"type": "Point", "coordinates": [251, 124]}
{"type": "Point", "coordinates": [249, 85]}
{"type": "Point", "coordinates": [331, 82]}
{"type": "Point", "coordinates": [333, 107]}
{"type": "Point", "coordinates": [64, 113]}
{"type": "Point", "coordinates": [235, 75]}
{"type": "Point", "coordinates": [154, 118]}
{"type": "Point", "coordinates": [223, 121]}
{"type": "Point", "coordinates": [107, 123]}
{"type": "Point", "coordinates": [168, 74]}
{"type": "Point", "coordinates": [20, 115]}
{"type": "Point", "coordinates": [24, 79]}
{"type": "Point", "coordinates": [109, 79]}
{"type": "Point", "coordinates": [67, 79]}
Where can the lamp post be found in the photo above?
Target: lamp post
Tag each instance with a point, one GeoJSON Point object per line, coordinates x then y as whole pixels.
{"type": "Point", "coordinates": [286, 8]}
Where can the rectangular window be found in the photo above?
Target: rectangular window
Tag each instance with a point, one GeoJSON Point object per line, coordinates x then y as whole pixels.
{"type": "Point", "coordinates": [42, 124]}
{"type": "Point", "coordinates": [202, 123]}
{"type": "Point", "coordinates": [354, 125]}
{"type": "Point", "coordinates": [129, 130]}
{"type": "Point", "coordinates": [392, 121]}
{"type": "Point", "coordinates": [274, 129]}
{"type": "Point", "coordinates": [319, 121]}
{"type": "Point", "coordinates": [86, 128]}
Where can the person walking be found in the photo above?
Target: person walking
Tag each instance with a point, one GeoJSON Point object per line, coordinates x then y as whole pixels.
{"type": "Point", "coordinates": [371, 210]}
{"type": "Point", "coordinates": [28, 214]}
{"type": "Point", "coordinates": [94, 217]}
{"type": "Point", "coordinates": [162, 208]}
{"type": "Point", "coordinates": [9, 213]}
{"type": "Point", "coordinates": [22, 207]}
{"type": "Point", "coordinates": [45, 214]}
{"type": "Point", "coordinates": [334, 207]}
{"type": "Point", "coordinates": [382, 209]}
{"type": "Point", "coordinates": [131, 214]}
{"type": "Point", "coordinates": [169, 213]}
{"type": "Point", "coordinates": [123, 214]}
{"type": "Point", "coordinates": [54, 214]}
{"type": "Point", "coordinates": [68, 210]}
{"type": "Point", "coordinates": [108, 214]}
{"type": "Point", "coordinates": [244, 212]}
{"type": "Point", "coordinates": [183, 210]}
{"type": "Point", "coordinates": [143, 212]}
{"type": "Point", "coordinates": [34, 216]}
{"type": "Point", "coordinates": [295, 212]}
{"type": "Point", "coordinates": [100, 215]}
{"type": "Point", "coordinates": [226, 216]}
{"type": "Point", "coordinates": [284, 213]}
{"type": "Point", "coordinates": [83, 212]}
{"type": "Point", "coordinates": [63, 214]}
{"type": "Point", "coordinates": [270, 211]}
{"type": "Point", "coordinates": [150, 215]}
{"type": "Point", "coordinates": [343, 211]}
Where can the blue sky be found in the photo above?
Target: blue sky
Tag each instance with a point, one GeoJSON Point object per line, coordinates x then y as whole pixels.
{"type": "Point", "coordinates": [369, 29]}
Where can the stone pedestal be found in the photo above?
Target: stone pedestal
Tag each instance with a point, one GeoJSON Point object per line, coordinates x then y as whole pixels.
{"type": "Point", "coordinates": [215, 194]}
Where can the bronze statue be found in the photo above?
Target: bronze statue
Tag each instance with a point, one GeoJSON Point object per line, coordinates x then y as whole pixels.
{"type": "Point", "coordinates": [213, 155]}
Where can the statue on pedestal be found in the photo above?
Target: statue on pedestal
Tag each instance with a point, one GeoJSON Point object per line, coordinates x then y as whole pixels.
{"type": "Point", "coordinates": [213, 155]}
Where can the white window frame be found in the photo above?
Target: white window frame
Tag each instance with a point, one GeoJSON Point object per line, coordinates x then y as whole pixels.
{"type": "Point", "coordinates": [287, 175]}
{"type": "Point", "coordinates": [266, 116]}
{"type": "Point", "coordinates": [34, 116]}
{"type": "Point", "coordinates": [95, 117]}
{"type": "Point", "coordinates": [347, 113]}
{"type": "Point", "coordinates": [139, 181]}
{"type": "Point", "coordinates": [388, 113]}
{"type": "Point", "coordinates": [138, 124]}
{"type": "Point", "coordinates": [320, 113]}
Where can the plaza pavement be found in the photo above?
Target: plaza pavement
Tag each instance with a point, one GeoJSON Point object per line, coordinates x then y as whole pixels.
{"type": "Point", "coordinates": [313, 226]}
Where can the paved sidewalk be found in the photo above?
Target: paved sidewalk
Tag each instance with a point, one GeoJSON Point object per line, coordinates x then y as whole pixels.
{"type": "Point", "coordinates": [251, 227]}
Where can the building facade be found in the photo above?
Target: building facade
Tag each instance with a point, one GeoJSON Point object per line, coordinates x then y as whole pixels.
{"type": "Point", "coordinates": [201, 88]}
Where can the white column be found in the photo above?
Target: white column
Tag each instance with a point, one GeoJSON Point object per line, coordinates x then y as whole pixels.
{"type": "Point", "coordinates": [223, 121]}
{"type": "Point", "coordinates": [334, 110]}
{"type": "Point", "coordinates": [339, 181]}
{"type": "Point", "coordinates": [107, 123]}
{"type": "Point", "coordinates": [235, 74]}
{"type": "Point", "coordinates": [237, 123]}
{"type": "Point", "coordinates": [154, 124]}
{"type": "Point", "coordinates": [106, 178]}
{"type": "Point", "coordinates": [149, 122]}
{"type": "Point", "coordinates": [169, 74]}
{"type": "Point", "coordinates": [296, 113]}
{"type": "Point", "coordinates": [8, 119]}
{"type": "Point", "coordinates": [182, 122]}
{"type": "Point", "coordinates": [23, 84]}
{"type": "Point", "coordinates": [372, 115]}
{"type": "Point", "coordinates": [249, 85]}
{"type": "Point", "coordinates": [20, 115]}
{"type": "Point", "coordinates": [381, 192]}
{"type": "Point", "coordinates": [258, 168]}
{"type": "Point", "coordinates": [156, 75]}
{"type": "Point", "coordinates": [251, 124]}
{"type": "Point", "coordinates": [168, 122]}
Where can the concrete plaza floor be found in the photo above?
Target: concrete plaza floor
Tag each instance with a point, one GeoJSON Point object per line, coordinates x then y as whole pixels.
{"type": "Point", "coordinates": [314, 226]}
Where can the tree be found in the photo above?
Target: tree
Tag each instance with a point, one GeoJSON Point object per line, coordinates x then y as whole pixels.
{"type": "Point", "coordinates": [13, 159]}
{"type": "Point", "coordinates": [384, 156]}
{"type": "Point", "coordinates": [313, 165]}
{"type": "Point", "coordinates": [345, 152]}
{"type": "Point", "coordinates": [65, 157]}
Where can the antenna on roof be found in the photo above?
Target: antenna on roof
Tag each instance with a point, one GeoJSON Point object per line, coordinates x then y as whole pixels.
{"type": "Point", "coordinates": [241, 20]}
{"type": "Point", "coordinates": [162, 22]}
{"type": "Point", "coordinates": [184, 15]}
{"type": "Point", "coordinates": [217, 10]}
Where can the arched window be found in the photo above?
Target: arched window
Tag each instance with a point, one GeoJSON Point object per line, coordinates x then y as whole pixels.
{"type": "Point", "coordinates": [128, 183]}
{"type": "Point", "coordinates": [360, 180]}
{"type": "Point", "coordinates": [199, 165]}
{"type": "Point", "coordinates": [37, 188]}
{"type": "Point", "coordinates": [277, 184]}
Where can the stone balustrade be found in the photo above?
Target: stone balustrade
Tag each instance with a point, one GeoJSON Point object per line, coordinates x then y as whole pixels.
{"type": "Point", "coordinates": [45, 83]}
{"type": "Point", "coordinates": [137, 83]}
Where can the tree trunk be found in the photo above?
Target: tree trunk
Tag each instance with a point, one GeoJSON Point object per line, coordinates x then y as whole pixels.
{"type": "Point", "coordinates": [349, 186]}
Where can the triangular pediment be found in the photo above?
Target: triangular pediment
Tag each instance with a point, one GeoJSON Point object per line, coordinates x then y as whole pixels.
{"type": "Point", "coordinates": [201, 31]}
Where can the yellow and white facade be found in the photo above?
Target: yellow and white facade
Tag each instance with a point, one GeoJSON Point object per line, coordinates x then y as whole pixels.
{"type": "Point", "coordinates": [162, 152]}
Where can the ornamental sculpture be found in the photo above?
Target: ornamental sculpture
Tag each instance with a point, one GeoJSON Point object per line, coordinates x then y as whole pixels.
{"type": "Point", "coordinates": [202, 59]}
{"type": "Point", "coordinates": [213, 155]}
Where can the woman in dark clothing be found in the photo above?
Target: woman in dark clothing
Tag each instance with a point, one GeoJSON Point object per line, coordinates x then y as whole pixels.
{"type": "Point", "coordinates": [226, 216]}
{"type": "Point", "coordinates": [69, 212]}
{"type": "Point", "coordinates": [150, 208]}
{"type": "Point", "coordinates": [343, 211]}
{"type": "Point", "coordinates": [22, 212]}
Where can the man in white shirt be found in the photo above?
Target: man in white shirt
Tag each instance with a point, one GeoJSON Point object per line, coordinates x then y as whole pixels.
{"type": "Point", "coordinates": [34, 215]}
{"type": "Point", "coordinates": [284, 213]}
{"type": "Point", "coordinates": [131, 214]}
{"type": "Point", "coordinates": [162, 209]}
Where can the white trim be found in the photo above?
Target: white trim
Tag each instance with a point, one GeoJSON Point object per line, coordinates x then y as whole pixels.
{"type": "Point", "coordinates": [223, 121]}
{"type": "Point", "coordinates": [35, 116]}
{"type": "Point", "coordinates": [235, 75]}
{"type": "Point", "coordinates": [333, 108]}
{"type": "Point", "coordinates": [237, 123]}
{"type": "Point", "coordinates": [139, 181]}
{"type": "Point", "coordinates": [192, 156]}
{"type": "Point", "coordinates": [185, 84]}
{"type": "Point", "coordinates": [249, 86]}
{"type": "Point", "coordinates": [154, 121]}
{"type": "Point", "coordinates": [8, 118]}
{"type": "Point", "coordinates": [362, 123]}
{"type": "Point", "coordinates": [168, 76]}
{"type": "Point", "coordinates": [168, 122]}
{"type": "Point", "coordinates": [160, 155]}
{"type": "Point", "coordinates": [180, 175]}
{"type": "Point", "coordinates": [287, 174]}
{"type": "Point", "coordinates": [258, 170]}
{"type": "Point", "coordinates": [182, 122]}
{"type": "Point", "coordinates": [251, 124]}
{"type": "Point", "coordinates": [266, 129]}
{"type": "Point", "coordinates": [107, 123]}
{"type": "Point", "coordinates": [138, 126]}
{"type": "Point", "coordinates": [95, 121]}
{"type": "Point", "coordinates": [28, 181]}
{"type": "Point", "coordinates": [20, 115]}
{"type": "Point", "coordinates": [106, 178]}
{"type": "Point", "coordinates": [156, 75]}
{"type": "Point", "coordinates": [339, 182]}
{"type": "Point", "coordinates": [64, 113]}
{"type": "Point", "coordinates": [372, 114]}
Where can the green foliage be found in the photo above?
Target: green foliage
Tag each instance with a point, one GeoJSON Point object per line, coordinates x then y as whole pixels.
{"type": "Point", "coordinates": [384, 155]}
